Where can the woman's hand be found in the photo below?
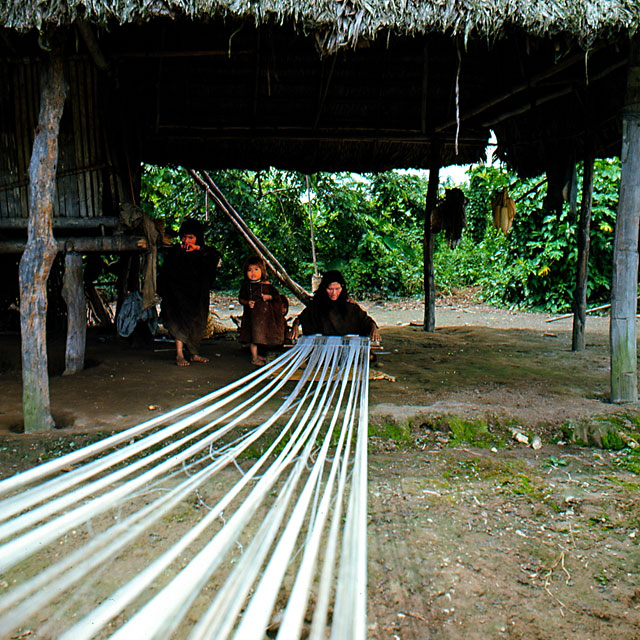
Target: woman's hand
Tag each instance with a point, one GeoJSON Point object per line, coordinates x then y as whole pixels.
{"type": "Point", "coordinates": [266, 297]}
{"type": "Point", "coordinates": [295, 330]}
{"type": "Point", "coordinates": [375, 334]}
{"type": "Point", "coordinates": [251, 304]}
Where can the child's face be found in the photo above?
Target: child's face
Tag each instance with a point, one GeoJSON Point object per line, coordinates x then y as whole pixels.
{"type": "Point", "coordinates": [189, 242]}
{"type": "Point", "coordinates": [254, 272]}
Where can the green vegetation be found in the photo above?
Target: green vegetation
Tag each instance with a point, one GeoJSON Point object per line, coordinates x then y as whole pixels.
{"type": "Point", "coordinates": [371, 227]}
{"type": "Point", "coordinates": [475, 432]}
{"type": "Point", "coordinates": [611, 432]}
{"type": "Point", "coordinates": [400, 434]}
{"type": "Point", "coordinates": [629, 459]}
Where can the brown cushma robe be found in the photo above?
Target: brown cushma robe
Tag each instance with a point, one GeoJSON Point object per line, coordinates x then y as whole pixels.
{"type": "Point", "coordinates": [336, 319]}
{"type": "Point", "coordinates": [265, 323]}
{"type": "Point", "coordinates": [184, 282]}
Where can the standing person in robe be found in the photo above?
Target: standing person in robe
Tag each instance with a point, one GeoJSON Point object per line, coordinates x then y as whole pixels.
{"type": "Point", "coordinates": [263, 319]}
{"type": "Point", "coordinates": [332, 313]}
{"type": "Point", "coordinates": [184, 281]}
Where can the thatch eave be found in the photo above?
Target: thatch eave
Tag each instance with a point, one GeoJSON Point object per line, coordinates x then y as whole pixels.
{"type": "Point", "coordinates": [259, 96]}
{"type": "Point", "coordinates": [339, 24]}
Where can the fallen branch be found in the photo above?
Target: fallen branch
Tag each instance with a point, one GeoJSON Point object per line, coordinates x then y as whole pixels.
{"type": "Point", "coordinates": [570, 315]}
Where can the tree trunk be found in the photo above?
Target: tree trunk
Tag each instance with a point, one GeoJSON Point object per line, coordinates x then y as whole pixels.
{"type": "Point", "coordinates": [41, 248]}
{"type": "Point", "coordinates": [73, 294]}
{"type": "Point", "coordinates": [624, 285]}
{"type": "Point", "coordinates": [584, 226]}
{"type": "Point", "coordinates": [429, 280]}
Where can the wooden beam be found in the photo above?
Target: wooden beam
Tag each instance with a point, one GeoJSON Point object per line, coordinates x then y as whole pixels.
{"type": "Point", "coordinates": [522, 86]}
{"type": "Point", "coordinates": [205, 53]}
{"type": "Point", "coordinates": [73, 295]}
{"type": "Point", "coordinates": [624, 377]}
{"type": "Point", "coordinates": [102, 244]}
{"type": "Point", "coordinates": [551, 96]}
{"type": "Point", "coordinates": [584, 225]}
{"type": "Point", "coordinates": [64, 223]}
{"type": "Point", "coordinates": [41, 249]}
{"type": "Point", "coordinates": [299, 134]}
{"type": "Point", "coordinates": [20, 182]}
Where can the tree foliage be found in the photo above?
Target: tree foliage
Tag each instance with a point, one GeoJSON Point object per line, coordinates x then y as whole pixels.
{"type": "Point", "coordinates": [371, 227]}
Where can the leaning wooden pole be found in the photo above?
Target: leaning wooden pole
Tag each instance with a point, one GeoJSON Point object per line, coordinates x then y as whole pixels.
{"type": "Point", "coordinates": [41, 248]}
{"type": "Point", "coordinates": [427, 251]}
{"type": "Point", "coordinates": [210, 187]}
{"type": "Point", "coordinates": [582, 274]}
{"type": "Point", "coordinates": [624, 285]}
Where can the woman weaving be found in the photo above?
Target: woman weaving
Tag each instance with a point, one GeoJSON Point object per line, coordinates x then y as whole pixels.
{"type": "Point", "coordinates": [332, 313]}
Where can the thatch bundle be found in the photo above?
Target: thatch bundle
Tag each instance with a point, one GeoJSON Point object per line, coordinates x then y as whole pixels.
{"type": "Point", "coordinates": [340, 23]}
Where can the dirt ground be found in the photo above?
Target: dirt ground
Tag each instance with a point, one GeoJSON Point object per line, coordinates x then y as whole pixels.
{"type": "Point", "coordinates": [483, 537]}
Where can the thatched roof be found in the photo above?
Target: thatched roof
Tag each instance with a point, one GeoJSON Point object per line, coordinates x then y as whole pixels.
{"type": "Point", "coordinates": [351, 84]}
{"type": "Point", "coordinates": [344, 22]}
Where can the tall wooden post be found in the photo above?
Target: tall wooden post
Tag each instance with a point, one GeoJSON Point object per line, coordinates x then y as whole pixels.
{"type": "Point", "coordinates": [73, 294]}
{"type": "Point", "coordinates": [584, 226]}
{"type": "Point", "coordinates": [624, 286]}
{"type": "Point", "coordinates": [429, 280]}
{"type": "Point", "coordinates": [41, 249]}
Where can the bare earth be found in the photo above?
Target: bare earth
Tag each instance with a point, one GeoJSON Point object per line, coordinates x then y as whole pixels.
{"type": "Point", "coordinates": [464, 541]}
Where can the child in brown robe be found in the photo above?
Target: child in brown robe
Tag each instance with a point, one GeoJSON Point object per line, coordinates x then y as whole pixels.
{"type": "Point", "coordinates": [263, 318]}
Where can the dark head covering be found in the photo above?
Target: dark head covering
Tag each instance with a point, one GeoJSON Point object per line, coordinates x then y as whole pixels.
{"type": "Point", "coordinates": [320, 297]}
{"type": "Point", "coordinates": [190, 226]}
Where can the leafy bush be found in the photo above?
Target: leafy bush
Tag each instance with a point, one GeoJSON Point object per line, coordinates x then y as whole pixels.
{"type": "Point", "coordinates": [371, 227]}
{"type": "Point", "coordinates": [534, 266]}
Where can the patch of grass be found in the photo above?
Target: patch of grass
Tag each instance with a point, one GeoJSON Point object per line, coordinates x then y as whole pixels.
{"type": "Point", "coordinates": [522, 485]}
{"type": "Point", "coordinates": [601, 522]}
{"type": "Point", "coordinates": [629, 459]}
{"type": "Point", "coordinates": [475, 432]}
{"type": "Point", "coordinates": [601, 578]}
{"type": "Point", "coordinates": [397, 432]}
{"type": "Point", "coordinates": [252, 452]}
{"type": "Point", "coordinates": [611, 432]}
{"type": "Point", "coordinates": [179, 516]}
{"type": "Point", "coordinates": [611, 440]}
{"type": "Point", "coordinates": [629, 486]}
{"type": "Point", "coordinates": [495, 470]}
{"type": "Point", "coordinates": [553, 463]}
{"type": "Point", "coordinates": [55, 448]}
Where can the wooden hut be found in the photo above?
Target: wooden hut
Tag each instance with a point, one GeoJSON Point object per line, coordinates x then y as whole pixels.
{"type": "Point", "coordinates": [330, 85]}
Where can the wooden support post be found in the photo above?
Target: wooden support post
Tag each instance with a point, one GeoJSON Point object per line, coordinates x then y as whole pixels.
{"type": "Point", "coordinates": [624, 285]}
{"type": "Point", "coordinates": [41, 248]}
{"type": "Point", "coordinates": [429, 280]}
{"type": "Point", "coordinates": [582, 273]}
{"type": "Point", "coordinates": [73, 294]}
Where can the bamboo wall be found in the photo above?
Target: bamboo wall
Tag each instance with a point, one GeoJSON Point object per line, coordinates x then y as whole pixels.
{"type": "Point", "coordinates": [87, 183]}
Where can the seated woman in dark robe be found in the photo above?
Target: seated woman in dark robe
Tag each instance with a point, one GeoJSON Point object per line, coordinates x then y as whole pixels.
{"type": "Point", "coordinates": [332, 313]}
{"type": "Point", "coordinates": [185, 278]}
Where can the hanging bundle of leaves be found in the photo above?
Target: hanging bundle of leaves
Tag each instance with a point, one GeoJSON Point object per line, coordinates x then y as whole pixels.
{"type": "Point", "coordinates": [449, 216]}
{"type": "Point", "coordinates": [504, 210]}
